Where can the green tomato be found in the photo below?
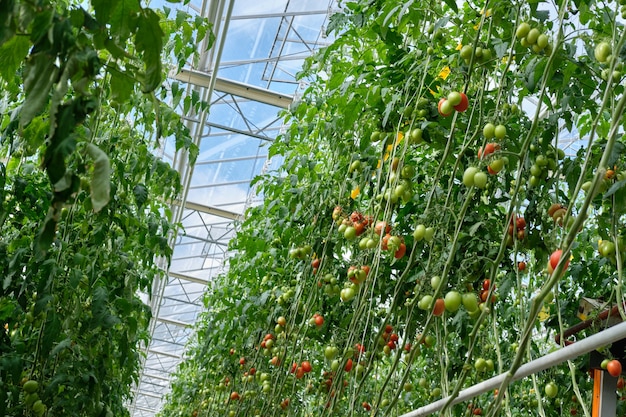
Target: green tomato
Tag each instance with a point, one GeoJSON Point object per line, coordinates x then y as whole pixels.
{"type": "Point", "coordinates": [470, 301]}
{"type": "Point", "coordinates": [496, 165]}
{"type": "Point", "coordinates": [350, 233]}
{"type": "Point", "coordinates": [543, 41]}
{"type": "Point", "coordinates": [425, 303]}
{"type": "Point", "coordinates": [429, 233]}
{"type": "Point", "coordinates": [435, 281]}
{"type": "Point", "coordinates": [522, 30]}
{"type": "Point", "coordinates": [500, 132]}
{"type": "Point", "coordinates": [480, 180]}
{"type": "Point", "coordinates": [605, 363]}
{"type": "Point", "coordinates": [452, 301]}
{"type": "Point", "coordinates": [420, 231]}
{"type": "Point", "coordinates": [541, 160]}
{"type": "Point", "coordinates": [480, 365]}
{"type": "Point", "coordinates": [532, 36]}
{"type": "Point", "coordinates": [551, 390]}
{"type": "Point", "coordinates": [468, 176]}
{"type": "Point", "coordinates": [602, 51]}
{"type": "Point", "coordinates": [466, 52]}
{"type": "Point", "coordinates": [416, 136]}
{"type": "Point", "coordinates": [454, 98]}
{"type": "Point", "coordinates": [489, 131]}
{"type": "Point", "coordinates": [30, 387]}
{"type": "Point", "coordinates": [607, 248]}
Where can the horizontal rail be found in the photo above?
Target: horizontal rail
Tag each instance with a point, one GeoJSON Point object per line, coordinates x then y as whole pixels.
{"type": "Point", "coordinates": [581, 347]}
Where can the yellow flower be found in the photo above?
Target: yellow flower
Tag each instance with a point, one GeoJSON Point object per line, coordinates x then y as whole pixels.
{"type": "Point", "coordinates": [459, 46]}
{"type": "Point", "coordinates": [355, 193]}
{"type": "Point", "coordinates": [443, 74]}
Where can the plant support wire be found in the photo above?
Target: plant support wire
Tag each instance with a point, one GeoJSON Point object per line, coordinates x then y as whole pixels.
{"type": "Point", "coordinates": [605, 337]}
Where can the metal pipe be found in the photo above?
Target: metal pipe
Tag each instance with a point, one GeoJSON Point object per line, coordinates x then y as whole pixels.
{"type": "Point", "coordinates": [581, 347]}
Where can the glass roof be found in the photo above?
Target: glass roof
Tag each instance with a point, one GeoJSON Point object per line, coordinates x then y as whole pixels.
{"type": "Point", "coordinates": [259, 48]}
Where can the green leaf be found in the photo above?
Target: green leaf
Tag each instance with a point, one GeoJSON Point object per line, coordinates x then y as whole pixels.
{"type": "Point", "coordinates": [64, 344]}
{"type": "Point", "coordinates": [12, 54]}
{"type": "Point", "coordinates": [100, 177]}
{"type": "Point", "coordinates": [103, 9]}
{"type": "Point", "coordinates": [39, 75]}
{"type": "Point", "coordinates": [122, 85]}
{"type": "Point", "coordinates": [615, 188]}
{"type": "Point", "coordinates": [452, 4]}
{"type": "Point", "coordinates": [35, 134]}
{"type": "Point", "coordinates": [149, 41]}
{"type": "Point", "coordinates": [141, 195]}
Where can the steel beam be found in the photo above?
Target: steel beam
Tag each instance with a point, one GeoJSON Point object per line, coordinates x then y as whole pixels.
{"type": "Point", "coordinates": [236, 88]}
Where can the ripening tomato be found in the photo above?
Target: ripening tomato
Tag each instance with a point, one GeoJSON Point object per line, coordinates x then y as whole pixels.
{"type": "Point", "coordinates": [400, 252]}
{"type": "Point", "coordinates": [380, 226]}
{"type": "Point", "coordinates": [315, 263]}
{"type": "Point", "coordinates": [463, 105]}
{"type": "Point", "coordinates": [440, 306]}
{"type": "Point", "coordinates": [445, 108]}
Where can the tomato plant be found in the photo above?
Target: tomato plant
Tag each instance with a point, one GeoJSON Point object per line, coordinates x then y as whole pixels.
{"type": "Point", "coordinates": [459, 262]}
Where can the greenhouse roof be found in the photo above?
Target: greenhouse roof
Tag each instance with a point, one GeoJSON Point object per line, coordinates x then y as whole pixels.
{"type": "Point", "coordinates": [247, 77]}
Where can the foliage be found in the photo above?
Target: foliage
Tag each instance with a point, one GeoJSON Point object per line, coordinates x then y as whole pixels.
{"type": "Point", "coordinates": [82, 221]}
{"type": "Point", "coordinates": [369, 143]}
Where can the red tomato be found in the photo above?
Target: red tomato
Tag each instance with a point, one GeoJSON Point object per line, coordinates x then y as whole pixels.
{"type": "Point", "coordinates": [366, 406]}
{"type": "Point", "coordinates": [315, 263]}
{"type": "Point", "coordinates": [614, 368]}
{"type": "Point", "coordinates": [439, 307]}
{"type": "Point", "coordinates": [555, 257]}
{"type": "Point", "coordinates": [234, 396]}
{"type": "Point", "coordinates": [319, 320]}
{"type": "Point", "coordinates": [620, 383]}
{"type": "Point", "coordinates": [394, 337]}
{"type": "Point", "coordinates": [463, 105]}
{"type": "Point", "coordinates": [242, 361]}
{"type": "Point", "coordinates": [520, 223]}
{"type": "Point", "coordinates": [399, 254]}
{"type": "Point", "coordinates": [521, 266]}
{"type": "Point", "coordinates": [360, 228]}
{"type": "Point", "coordinates": [486, 284]}
{"type": "Point", "coordinates": [348, 367]}
{"type": "Point", "coordinates": [388, 328]}
{"type": "Point", "coordinates": [391, 344]}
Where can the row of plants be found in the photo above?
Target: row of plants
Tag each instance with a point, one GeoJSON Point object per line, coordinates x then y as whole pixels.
{"type": "Point", "coordinates": [426, 230]}
{"type": "Point", "coordinates": [85, 217]}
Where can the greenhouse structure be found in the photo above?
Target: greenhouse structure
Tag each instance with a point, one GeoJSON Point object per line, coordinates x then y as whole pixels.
{"type": "Point", "coordinates": [304, 208]}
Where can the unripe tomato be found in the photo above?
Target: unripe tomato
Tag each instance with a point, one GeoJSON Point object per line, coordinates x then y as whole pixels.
{"type": "Point", "coordinates": [522, 30]}
{"type": "Point", "coordinates": [551, 390]}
